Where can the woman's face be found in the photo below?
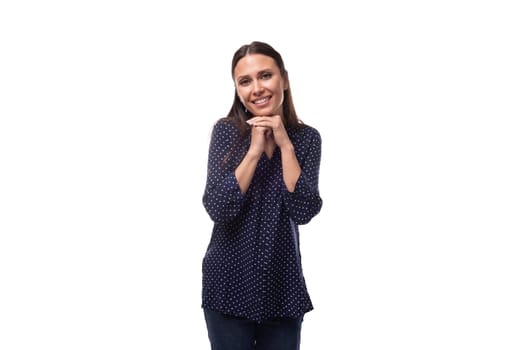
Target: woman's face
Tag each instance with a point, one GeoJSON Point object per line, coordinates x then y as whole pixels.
{"type": "Point", "coordinates": [260, 85]}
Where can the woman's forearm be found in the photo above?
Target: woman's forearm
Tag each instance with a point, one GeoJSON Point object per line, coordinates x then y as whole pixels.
{"type": "Point", "coordinates": [246, 169]}
{"type": "Point", "coordinates": [291, 167]}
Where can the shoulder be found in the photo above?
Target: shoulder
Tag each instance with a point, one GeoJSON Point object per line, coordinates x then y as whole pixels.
{"type": "Point", "coordinates": [224, 124]}
{"type": "Point", "coordinates": [225, 128]}
{"type": "Point", "coordinates": [306, 133]}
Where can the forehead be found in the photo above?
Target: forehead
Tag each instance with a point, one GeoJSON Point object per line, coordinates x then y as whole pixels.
{"type": "Point", "coordinates": [253, 64]}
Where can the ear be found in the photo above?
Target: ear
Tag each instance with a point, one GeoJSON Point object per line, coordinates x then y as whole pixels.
{"type": "Point", "coordinates": [286, 83]}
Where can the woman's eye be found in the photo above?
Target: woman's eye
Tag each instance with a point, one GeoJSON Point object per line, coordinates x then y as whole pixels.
{"type": "Point", "coordinates": [266, 75]}
{"type": "Point", "coordinates": [244, 82]}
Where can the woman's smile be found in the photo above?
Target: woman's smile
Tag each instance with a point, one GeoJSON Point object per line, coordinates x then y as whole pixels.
{"type": "Point", "coordinates": [262, 102]}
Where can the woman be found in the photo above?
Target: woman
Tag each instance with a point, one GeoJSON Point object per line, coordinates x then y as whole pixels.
{"type": "Point", "coordinates": [262, 182]}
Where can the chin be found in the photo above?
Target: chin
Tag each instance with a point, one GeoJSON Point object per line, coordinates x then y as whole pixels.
{"type": "Point", "coordinates": [268, 111]}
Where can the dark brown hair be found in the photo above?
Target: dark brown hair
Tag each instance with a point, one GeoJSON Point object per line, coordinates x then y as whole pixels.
{"type": "Point", "coordinates": [237, 114]}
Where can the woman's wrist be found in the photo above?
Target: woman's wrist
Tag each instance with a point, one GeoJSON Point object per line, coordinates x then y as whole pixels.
{"type": "Point", "coordinates": [288, 147]}
{"type": "Point", "coordinates": [253, 154]}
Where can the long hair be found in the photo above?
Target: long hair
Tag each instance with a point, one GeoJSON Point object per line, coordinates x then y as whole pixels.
{"type": "Point", "coordinates": [237, 114]}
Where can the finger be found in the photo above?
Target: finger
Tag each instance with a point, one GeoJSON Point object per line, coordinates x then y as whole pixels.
{"type": "Point", "coordinates": [274, 119]}
{"type": "Point", "coordinates": [260, 129]}
{"type": "Point", "coordinates": [264, 121]}
{"type": "Point", "coordinates": [253, 120]}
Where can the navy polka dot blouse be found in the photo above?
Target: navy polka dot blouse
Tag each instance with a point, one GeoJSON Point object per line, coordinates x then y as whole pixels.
{"type": "Point", "coordinates": [252, 267]}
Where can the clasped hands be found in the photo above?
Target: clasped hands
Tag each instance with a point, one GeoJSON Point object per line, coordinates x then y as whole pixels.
{"type": "Point", "coordinates": [266, 128]}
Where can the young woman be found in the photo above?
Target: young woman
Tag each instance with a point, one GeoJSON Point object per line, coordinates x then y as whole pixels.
{"type": "Point", "coordinates": [262, 182]}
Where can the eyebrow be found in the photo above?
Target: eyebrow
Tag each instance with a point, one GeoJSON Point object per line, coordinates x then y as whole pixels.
{"type": "Point", "coordinates": [264, 70]}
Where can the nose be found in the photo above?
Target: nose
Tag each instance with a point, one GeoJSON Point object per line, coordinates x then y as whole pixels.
{"type": "Point", "coordinates": [257, 88]}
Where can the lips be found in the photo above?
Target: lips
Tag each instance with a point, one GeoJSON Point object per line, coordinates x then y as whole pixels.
{"type": "Point", "coordinates": [261, 101]}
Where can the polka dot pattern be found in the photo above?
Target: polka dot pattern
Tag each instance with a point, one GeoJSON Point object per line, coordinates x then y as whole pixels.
{"type": "Point", "coordinates": [252, 267]}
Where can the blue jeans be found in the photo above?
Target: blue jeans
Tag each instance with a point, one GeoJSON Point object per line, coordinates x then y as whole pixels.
{"type": "Point", "coordinates": [236, 333]}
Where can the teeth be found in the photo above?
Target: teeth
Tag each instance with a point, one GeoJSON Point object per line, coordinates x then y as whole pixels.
{"type": "Point", "coordinates": [262, 100]}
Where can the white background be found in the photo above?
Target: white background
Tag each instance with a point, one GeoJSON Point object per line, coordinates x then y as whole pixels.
{"type": "Point", "coordinates": [106, 110]}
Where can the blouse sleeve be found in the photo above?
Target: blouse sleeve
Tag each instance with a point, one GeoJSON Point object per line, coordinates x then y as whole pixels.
{"type": "Point", "coordinates": [222, 197]}
{"type": "Point", "coordinates": [305, 202]}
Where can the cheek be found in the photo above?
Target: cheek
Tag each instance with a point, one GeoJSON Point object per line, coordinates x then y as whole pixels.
{"type": "Point", "coordinates": [240, 97]}
{"type": "Point", "coordinates": [243, 92]}
{"type": "Point", "coordinates": [281, 95]}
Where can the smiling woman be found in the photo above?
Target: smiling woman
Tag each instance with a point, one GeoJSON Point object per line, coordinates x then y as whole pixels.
{"type": "Point", "coordinates": [260, 85]}
{"type": "Point", "coordinates": [262, 182]}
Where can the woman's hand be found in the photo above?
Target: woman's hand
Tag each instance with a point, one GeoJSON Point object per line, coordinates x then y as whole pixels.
{"type": "Point", "coordinates": [273, 125]}
{"type": "Point", "coordinates": [270, 126]}
{"type": "Point", "coordinates": [259, 137]}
